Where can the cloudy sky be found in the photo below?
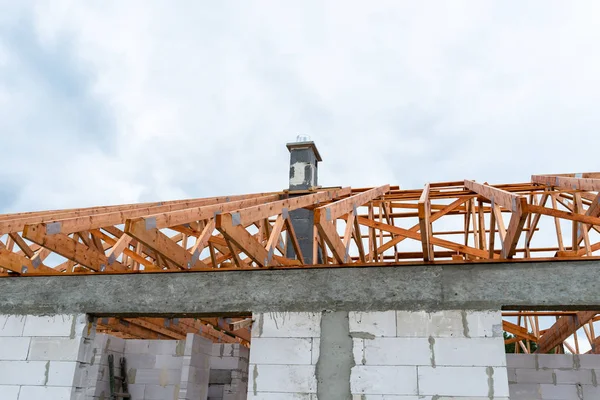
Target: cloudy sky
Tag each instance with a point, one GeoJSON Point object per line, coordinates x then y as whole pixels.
{"type": "Point", "coordinates": [111, 102]}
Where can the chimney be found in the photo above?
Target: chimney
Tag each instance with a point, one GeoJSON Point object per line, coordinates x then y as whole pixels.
{"type": "Point", "coordinates": [304, 159]}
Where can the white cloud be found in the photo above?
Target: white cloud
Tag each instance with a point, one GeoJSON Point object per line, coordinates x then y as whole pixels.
{"type": "Point", "coordinates": [195, 99]}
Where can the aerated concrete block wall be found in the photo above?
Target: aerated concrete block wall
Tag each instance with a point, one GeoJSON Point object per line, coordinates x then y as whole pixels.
{"type": "Point", "coordinates": [156, 369]}
{"type": "Point", "coordinates": [196, 368]}
{"type": "Point", "coordinates": [553, 376]}
{"type": "Point", "coordinates": [388, 355]}
{"type": "Point", "coordinates": [229, 372]}
{"type": "Point", "coordinates": [44, 357]}
{"type": "Point", "coordinates": [97, 385]}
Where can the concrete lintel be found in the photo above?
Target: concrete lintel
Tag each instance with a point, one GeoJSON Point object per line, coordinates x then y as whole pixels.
{"type": "Point", "coordinates": [561, 285]}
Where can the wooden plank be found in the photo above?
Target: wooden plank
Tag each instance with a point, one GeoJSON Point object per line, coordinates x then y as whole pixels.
{"type": "Point", "coordinates": [23, 265]}
{"type": "Point", "coordinates": [564, 327]}
{"type": "Point", "coordinates": [359, 242]}
{"type": "Point", "coordinates": [416, 236]}
{"type": "Point", "coordinates": [570, 181]}
{"type": "Point", "coordinates": [78, 221]}
{"type": "Point", "coordinates": [500, 197]}
{"type": "Point", "coordinates": [136, 255]}
{"type": "Point", "coordinates": [118, 248]}
{"type": "Point", "coordinates": [294, 240]}
{"type": "Point", "coordinates": [203, 239]}
{"type": "Point", "coordinates": [592, 211]}
{"type": "Point", "coordinates": [332, 238]}
{"type": "Point", "coordinates": [244, 240]}
{"type": "Point", "coordinates": [447, 209]}
{"type": "Point", "coordinates": [249, 215]}
{"type": "Point", "coordinates": [518, 331]}
{"type": "Point", "coordinates": [71, 249]}
{"type": "Point", "coordinates": [515, 227]}
{"type": "Point", "coordinates": [338, 208]}
{"type": "Point", "coordinates": [424, 208]}
{"type": "Point", "coordinates": [22, 244]}
{"type": "Point", "coordinates": [587, 219]}
{"type": "Point", "coordinates": [163, 245]}
{"type": "Point", "coordinates": [274, 237]}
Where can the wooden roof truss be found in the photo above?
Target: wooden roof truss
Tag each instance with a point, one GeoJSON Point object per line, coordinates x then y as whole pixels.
{"type": "Point", "coordinates": [552, 217]}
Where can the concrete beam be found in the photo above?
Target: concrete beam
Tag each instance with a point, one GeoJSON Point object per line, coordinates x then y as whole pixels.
{"type": "Point", "coordinates": [560, 285]}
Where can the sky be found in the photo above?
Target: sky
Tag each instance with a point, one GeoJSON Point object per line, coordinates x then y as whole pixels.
{"type": "Point", "coordinates": [113, 102]}
{"type": "Point", "coordinates": [117, 102]}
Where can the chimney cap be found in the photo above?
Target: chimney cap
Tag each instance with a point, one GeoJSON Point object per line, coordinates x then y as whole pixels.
{"type": "Point", "coordinates": [305, 145]}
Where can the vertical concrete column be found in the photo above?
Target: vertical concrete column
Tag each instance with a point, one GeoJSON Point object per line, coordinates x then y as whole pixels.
{"type": "Point", "coordinates": [45, 357]}
{"type": "Point", "coordinates": [304, 159]}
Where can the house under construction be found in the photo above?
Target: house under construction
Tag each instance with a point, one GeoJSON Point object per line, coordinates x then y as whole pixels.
{"type": "Point", "coordinates": [307, 293]}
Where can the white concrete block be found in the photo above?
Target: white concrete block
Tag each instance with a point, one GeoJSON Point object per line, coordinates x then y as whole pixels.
{"type": "Point", "coordinates": [62, 373]}
{"type": "Point", "coordinates": [134, 346]}
{"type": "Point", "coordinates": [12, 325]}
{"type": "Point", "coordinates": [136, 391]}
{"type": "Point", "coordinates": [559, 392]}
{"type": "Point", "coordinates": [114, 344]}
{"type": "Point", "coordinates": [54, 348]}
{"type": "Point", "coordinates": [485, 352]}
{"type": "Point", "coordinates": [521, 361]}
{"type": "Point", "coordinates": [226, 350]}
{"type": "Point", "coordinates": [525, 391]}
{"type": "Point", "coordinates": [283, 378]}
{"type": "Point", "coordinates": [51, 325]}
{"type": "Point", "coordinates": [295, 351]}
{"type": "Point", "coordinates": [424, 324]}
{"type": "Point", "coordinates": [197, 344]}
{"type": "Point", "coordinates": [582, 376]}
{"type": "Point", "coordinates": [170, 347]}
{"type": "Point", "coordinates": [158, 376]}
{"type": "Point", "coordinates": [394, 397]}
{"type": "Point", "coordinates": [383, 380]}
{"type": "Point", "coordinates": [192, 375]}
{"type": "Point", "coordinates": [551, 361]}
{"type": "Point", "coordinates": [23, 372]}
{"type": "Point", "coordinates": [14, 348]}
{"type": "Point", "coordinates": [589, 361]}
{"type": "Point", "coordinates": [157, 392]}
{"type": "Point", "coordinates": [287, 324]}
{"type": "Point", "coordinates": [484, 323]}
{"type": "Point", "coordinates": [397, 351]}
{"type": "Point", "coordinates": [9, 392]}
{"type": "Point", "coordinates": [590, 392]}
{"type": "Point", "coordinates": [224, 362]}
{"type": "Point", "coordinates": [534, 376]}
{"type": "Point", "coordinates": [143, 361]}
{"type": "Point", "coordinates": [281, 396]}
{"type": "Point", "coordinates": [379, 324]}
{"type": "Point", "coordinates": [166, 361]}
{"type": "Point", "coordinates": [461, 381]}
{"type": "Point", "coordinates": [45, 393]}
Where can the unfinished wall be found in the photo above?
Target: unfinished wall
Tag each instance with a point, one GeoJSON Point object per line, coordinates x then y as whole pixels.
{"type": "Point", "coordinates": [156, 369]}
{"type": "Point", "coordinates": [196, 368]}
{"type": "Point", "coordinates": [44, 357]}
{"type": "Point", "coordinates": [553, 376]}
{"type": "Point", "coordinates": [375, 355]}
{"type": "Point", "coordinates": [228, 372]}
